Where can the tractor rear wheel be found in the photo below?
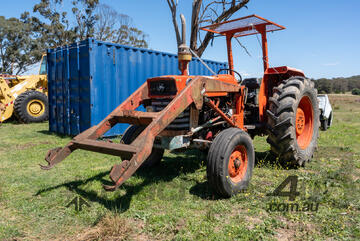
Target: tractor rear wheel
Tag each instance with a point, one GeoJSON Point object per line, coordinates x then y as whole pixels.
{"type": "Point", "coordinates": [31, 106]}
{"type": "Point", "coordinates": [130, 135]}
{"type": "Point", "coordinates": [293, 120]}
{"type": "Point", "coordinates": [230, 162]}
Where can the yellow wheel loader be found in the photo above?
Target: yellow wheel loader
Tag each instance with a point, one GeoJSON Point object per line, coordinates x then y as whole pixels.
{"type": "Point", "coordinates": [25, 96]}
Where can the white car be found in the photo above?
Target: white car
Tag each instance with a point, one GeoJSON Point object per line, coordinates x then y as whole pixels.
{"type": "Point", "coordinates": [326, 115]}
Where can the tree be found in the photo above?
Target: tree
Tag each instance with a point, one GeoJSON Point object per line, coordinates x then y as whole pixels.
{"type": "Point", "coordinates": [91, 20]}
{"type": "Point", "coordinates": [22, 41]}
{"type": "Point", "coordinates": [204, 12]}
{"type": "Point", "coordinates": [355, 91]}
{"type": "Point", "coordinates": [18, 46]}
{"type": "Point", "coordinates": [323, 86]}
{"type": "Point", "coordinates": [85, 18]}
{"type": "Point", "coordinates": [58, 29]}
{"type": "Point", "coordinates": [118, 28]}
{"type": "Point", "coordinates": [337, 85]}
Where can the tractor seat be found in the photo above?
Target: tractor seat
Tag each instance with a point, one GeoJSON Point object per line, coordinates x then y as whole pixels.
{"type": "Point", "coordinates": [252, 83]}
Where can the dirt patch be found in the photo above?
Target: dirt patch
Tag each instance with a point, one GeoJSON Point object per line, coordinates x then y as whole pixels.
{"type": "Point", "coordinates": [30, 145]}
{"type": "Point", "coordinates": [24, 146]}
{"type": "Point", "coordinates": [253, 221]}
{"type": "Point", "coordinates": [355, 176]}
{"type": "Point", "coordinates": [285, 234]}
{"type": "Point", "coordinates": [181, 224]}
{"type": "Point", "coordinates": [343, 97]}
{"type": "Point", "coordinates": [294, 230]}
{"type": "Point", "coordinates": [114, 227]}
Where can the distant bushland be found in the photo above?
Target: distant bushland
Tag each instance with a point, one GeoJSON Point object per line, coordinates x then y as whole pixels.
{"type": "Point", "coordinates": [355, 91]}
{"type": "Point", "coordinates": [338, 85]}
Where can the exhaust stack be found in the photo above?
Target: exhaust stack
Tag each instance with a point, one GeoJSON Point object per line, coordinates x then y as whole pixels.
{"type": "Point", "coordinates": [184, 55]}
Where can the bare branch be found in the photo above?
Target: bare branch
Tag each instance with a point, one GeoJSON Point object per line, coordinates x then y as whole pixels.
{"type": "Point", "coordinates": [213, 11]}
{"type": "Point", "coordinates": [173, 9]}
{"type": "Point", "coordinates": [195, 23]}
{"type": "Point", "coordinates": [204, 10]}
{"type": "Point", "coordinates": [243, 46]}
{"type": "Point", "coordinates": [223, 16]}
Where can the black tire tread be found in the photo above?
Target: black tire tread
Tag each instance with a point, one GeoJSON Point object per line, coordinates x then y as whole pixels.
{"type": "Point", "coordinates": [281, 121]}
{"type": "Point", "coordinates": [20, 104]}
{"type": "Point", "coordinates": [129, 136]}
{"type": "Point", "coordinates": [216, 159]}
{"type": "Point", "coordinates": [212, 155]}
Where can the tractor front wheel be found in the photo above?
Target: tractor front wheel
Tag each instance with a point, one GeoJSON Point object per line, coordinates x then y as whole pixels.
{"type": "Point", "coordinates": [31, 106]}
{"type": "Point", "coordinates": [230, 162]}
{"type": "Point", "coordinates": [293, 121]}
{"type": "Point", "coordinates": [130, 135]}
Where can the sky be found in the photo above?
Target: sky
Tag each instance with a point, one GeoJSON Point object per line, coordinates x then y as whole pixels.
{"type": "Point", "coordinates": [321, 37]}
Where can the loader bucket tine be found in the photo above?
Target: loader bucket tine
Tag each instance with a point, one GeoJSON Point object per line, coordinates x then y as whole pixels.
{"type": "Point", "coordinates": [56, 155]}
{"type": "Point", "coordinates": [48, 167]}
{"type": "Point", "coordinates": [87, 140]}
{"type": "Point", "coordinates": [49, 155]}
{"type": "Point", "coordinates": [109, 188]}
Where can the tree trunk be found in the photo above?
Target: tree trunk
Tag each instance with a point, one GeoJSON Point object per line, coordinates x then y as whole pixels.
{"type": "Point", "coordinates": [196, 18]}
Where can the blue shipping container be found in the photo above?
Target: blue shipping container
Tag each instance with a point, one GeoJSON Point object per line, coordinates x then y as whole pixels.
{"type": "Point", "coordinates": [89, 79]}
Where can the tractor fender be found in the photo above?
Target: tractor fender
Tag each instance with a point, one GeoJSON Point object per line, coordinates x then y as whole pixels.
{"type": "Point", "coordinates": [284, 71]}
{"type": "Point", "coordinates": [272, 78]}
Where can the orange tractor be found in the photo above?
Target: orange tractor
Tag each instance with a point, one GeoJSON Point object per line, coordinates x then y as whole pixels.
{"type": "Point", "coordinates": [218, 113]}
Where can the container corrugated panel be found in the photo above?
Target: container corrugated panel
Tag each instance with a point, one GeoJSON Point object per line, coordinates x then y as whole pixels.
{"type": "Point", "coordinates": [89, 79]}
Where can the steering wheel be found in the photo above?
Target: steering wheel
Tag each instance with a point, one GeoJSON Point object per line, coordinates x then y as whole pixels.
{"type": "Point", "coordinates": [240, 79]}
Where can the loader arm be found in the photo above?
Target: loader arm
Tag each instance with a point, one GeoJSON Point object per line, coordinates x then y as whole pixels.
{"type": "Point", "coordinates": [135, 154]}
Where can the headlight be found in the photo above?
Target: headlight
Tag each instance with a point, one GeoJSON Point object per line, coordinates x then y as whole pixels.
{"type": "Point", "coordinates": [162, 87]}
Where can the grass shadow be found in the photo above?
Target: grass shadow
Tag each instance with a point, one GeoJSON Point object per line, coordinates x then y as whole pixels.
{"type": "Point", "coordinates": [169, 168]}
{"type": "Point", "coordinates": [204, 191]}
{"type": "Point", "coordinates": [47, 132]}
{"type": "Point", "coordinates": [166, 171]}
{"type": "Point", "coordinates": [265, 158]}
{"type": "Point", "coordinates": [269, 160]}
{"type": "Point", "coordinates": [12, 120]}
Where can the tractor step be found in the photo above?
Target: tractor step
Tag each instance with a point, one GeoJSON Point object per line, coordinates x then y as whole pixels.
{"type": "Point", "coordinates": [105, 147]}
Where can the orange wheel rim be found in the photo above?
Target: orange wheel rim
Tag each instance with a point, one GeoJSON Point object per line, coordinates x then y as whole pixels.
{"type": "Point", "coordinates": [304, 122]}
{"type": "Point", "coordinates": [237, 163]}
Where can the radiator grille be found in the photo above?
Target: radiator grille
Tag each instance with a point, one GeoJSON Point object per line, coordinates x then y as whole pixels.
{"type": "Point", "coordinates": [182, 122]}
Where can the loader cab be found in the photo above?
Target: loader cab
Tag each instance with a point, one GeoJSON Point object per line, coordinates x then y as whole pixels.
{"type": "Point", "coordinates": [43, 65]}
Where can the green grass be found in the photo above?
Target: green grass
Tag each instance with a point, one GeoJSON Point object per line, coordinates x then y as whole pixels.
{"type": "Point", "coordinates": [174, 201]}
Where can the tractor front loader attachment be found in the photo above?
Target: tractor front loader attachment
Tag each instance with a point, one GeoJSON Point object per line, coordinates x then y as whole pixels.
{"type": "Point", "coordinates": [138, 151]}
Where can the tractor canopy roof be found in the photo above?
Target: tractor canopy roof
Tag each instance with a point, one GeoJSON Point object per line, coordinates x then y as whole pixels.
{"type": "Point", "coordinates": [244, 26]}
